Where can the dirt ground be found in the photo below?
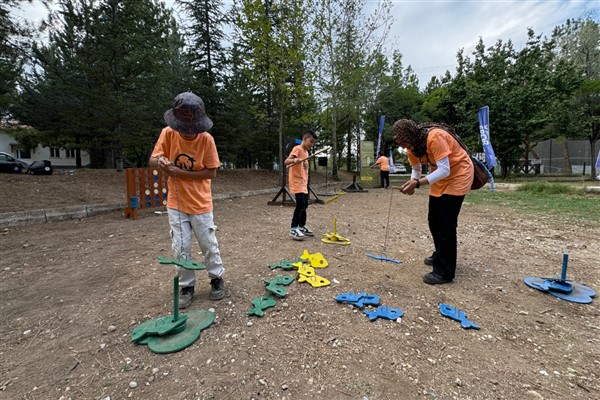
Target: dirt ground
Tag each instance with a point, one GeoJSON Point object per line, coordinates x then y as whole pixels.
{"type": "Point", "coordinates": [73, 291]}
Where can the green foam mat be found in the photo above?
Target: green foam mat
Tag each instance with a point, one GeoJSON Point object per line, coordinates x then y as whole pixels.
{"type": "Point", "coordinates": [197, 321]}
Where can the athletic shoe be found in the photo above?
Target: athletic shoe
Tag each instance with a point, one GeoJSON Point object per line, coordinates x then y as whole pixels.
{"type": "Point", "coordinates": [428, 261]}
{"type": "Point", "coordinates": [217, 291]}
{"type": "Point", "coordinates": [306, 232]}
{"type": "Point", "coordinates": [296, 234]}
{"type": "Point", "coordinates": [434, 279]}
{"type": "Point", "coordinates": [186, 295]}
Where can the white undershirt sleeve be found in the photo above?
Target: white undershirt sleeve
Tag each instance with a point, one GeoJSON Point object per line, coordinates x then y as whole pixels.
{"type": "Point", "coordinates": [416, 171]}
{"type": "Point", "coordinates": [442, 171]}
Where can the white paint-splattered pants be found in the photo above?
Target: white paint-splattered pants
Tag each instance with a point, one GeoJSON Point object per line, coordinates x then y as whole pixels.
{"type": "Point", "coordinates": [203, 227]}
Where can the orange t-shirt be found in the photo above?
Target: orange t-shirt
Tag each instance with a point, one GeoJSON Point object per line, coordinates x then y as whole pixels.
{"type": "Point", "coordinates": [441, 144]}
{"type": "Point", "coordinates": [384, 163]}
{"type": "Point", "coordinates": [298, 174]}
{"type": "Point", "coordinates": [192, 196]}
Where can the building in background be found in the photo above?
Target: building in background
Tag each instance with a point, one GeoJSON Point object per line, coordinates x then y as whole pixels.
{"type": "Point", "coordinates": [59, 157]}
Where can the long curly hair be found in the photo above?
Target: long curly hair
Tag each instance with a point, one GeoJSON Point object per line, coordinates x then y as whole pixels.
{"type": "Point", "coordinates": [416, 134]}
{"type": "Point", "coordinates": [409, 132]}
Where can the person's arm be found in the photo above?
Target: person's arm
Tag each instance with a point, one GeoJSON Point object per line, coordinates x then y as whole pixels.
{"type": "Point", "coordinates": [292, 159]}
{"type": "Point", "coordinates": [416, 171]}
{"type": "Point", "coordinates": [170, 169]}
{"type": "Point", "coordinates": [442, 171]}
{"type": "Point", "coordinates": [205, 173]}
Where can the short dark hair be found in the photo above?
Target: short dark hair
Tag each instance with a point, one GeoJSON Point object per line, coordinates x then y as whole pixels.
{"type": "Point", "coordinates": [309, 132]}
{"type": "Point", "coordinates": [380, 153]}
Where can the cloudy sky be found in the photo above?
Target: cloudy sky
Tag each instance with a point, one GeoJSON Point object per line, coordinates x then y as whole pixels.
{"type": "Point", "coordinates": [429, 33]}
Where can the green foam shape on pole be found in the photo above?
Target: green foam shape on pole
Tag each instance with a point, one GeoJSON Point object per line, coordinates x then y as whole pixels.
{"type": "Point", "coordinates": [197, 321]}
{"type": "Point", "coordinates": [163, 325]}
{"type": "Point", "coordinates": [187, 264]}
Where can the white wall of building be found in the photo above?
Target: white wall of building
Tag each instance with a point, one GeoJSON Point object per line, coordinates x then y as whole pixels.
{"type": "Point", "coordinates": [59, 157]}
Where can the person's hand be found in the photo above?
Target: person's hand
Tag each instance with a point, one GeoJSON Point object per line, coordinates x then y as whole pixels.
{"type": "Point", "coordinates": [163, 162]}
{"type": "Point", "coordinates": [171, 169]}
{"type": "Point", "coordinates": [409, 187]}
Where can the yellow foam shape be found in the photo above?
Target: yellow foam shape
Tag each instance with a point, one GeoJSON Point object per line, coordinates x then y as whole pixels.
{"type": "Point", "coordinates": [298, 265]}
{"type": "Point", "coordinates": [306, 270]}
{"type": "Point", "coordinates": [314, 281]}
{"type": "Point", "coordinates": [316, 260]}
{"type": "Point", "coordinates": [335, 239]}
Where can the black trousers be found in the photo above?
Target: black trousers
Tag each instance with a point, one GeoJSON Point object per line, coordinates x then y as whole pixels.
{"type": "Point", "coordinates": [299, 218]}
{"type": "Point", "coordinates": [443, 221]}
{"type": "Point", "coordinates": [385, 177]}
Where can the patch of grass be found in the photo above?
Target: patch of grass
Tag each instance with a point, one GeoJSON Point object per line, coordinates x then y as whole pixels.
{"type": "Point", "coordinates": [560, 201]}
{"type": "Point", "coordinates": [548, 188]}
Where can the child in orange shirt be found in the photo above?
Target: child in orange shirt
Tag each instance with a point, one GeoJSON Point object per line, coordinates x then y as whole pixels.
{"type": "Point", "coordinates": [298, 180]}
{"type": "Point", "coordinates": [188, 155]}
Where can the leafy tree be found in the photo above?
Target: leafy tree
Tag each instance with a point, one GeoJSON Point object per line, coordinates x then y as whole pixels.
{"type": "Point", "coordinates": [102, 80]}
{"type": "Point", "coordinates": [343, 35]}
{"type": "Point", "coordinates": [273, 35]}
{"type": "Point", "coordinates": [579, 46]}
{"type": "Point", "coordinates": [13, 52]}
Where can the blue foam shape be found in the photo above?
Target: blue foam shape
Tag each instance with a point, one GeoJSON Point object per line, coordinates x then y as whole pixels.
{"type": "Point", "coordinates": [457, 315]}
{"type": "Point", "coordinates": [384, 312]}
{"type": "Point", "coordinates": [358, 299]}
{"type": "Point", "coordinates": [579, 294]}
{"type": "Point", "coordinates": [381, 258]}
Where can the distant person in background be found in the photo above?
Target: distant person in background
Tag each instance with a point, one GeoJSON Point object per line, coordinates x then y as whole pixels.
{"type": "Point", "coordinates": [187, 154]}
{"type": "Point", "coordinates": [383, 163]}
{"type": "Point", "coordinates": [298, 165]}
{"type": "Point", "coordinates": [450, 180]}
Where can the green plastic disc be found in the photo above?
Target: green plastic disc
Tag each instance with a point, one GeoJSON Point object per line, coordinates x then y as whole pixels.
{"type": "Point", "coordinates": [197, 321]}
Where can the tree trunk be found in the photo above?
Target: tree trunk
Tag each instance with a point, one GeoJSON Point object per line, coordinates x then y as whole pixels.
{"type": "Point", "coordinates": [566, 158]}
{"type": "Point", "coordinates": [334, 158]}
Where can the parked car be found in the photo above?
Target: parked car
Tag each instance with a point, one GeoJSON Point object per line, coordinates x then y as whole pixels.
{"type": "Point", "coordinates": [8, 163]}
{"type": "Point", "coordinates": [399, 169]}
{"type": "Point", "coordinates": [40, 168]}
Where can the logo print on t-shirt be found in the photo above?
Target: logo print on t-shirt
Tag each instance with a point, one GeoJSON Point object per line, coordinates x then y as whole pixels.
{"type": "Point", "coordinates": [185, 162]}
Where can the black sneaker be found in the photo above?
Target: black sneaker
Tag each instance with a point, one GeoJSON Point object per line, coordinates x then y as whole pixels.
{"type": "Point", "coordinates": [435, 279]}
{"type": "Point", "coordinates": [428, 261]}
{"type": "Point", "coordinates": [186, 295]}
{"type": "Point", "coordinates": [217, 291]}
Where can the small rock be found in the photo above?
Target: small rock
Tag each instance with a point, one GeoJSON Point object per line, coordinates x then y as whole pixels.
{"type": "Point", "coordinates": [458, 382]}
{"type": "Point", "coordinates": [284, 387]}
{"type": "Point", "coordinates": [249, 323]}
{"type": "Point", "coordinates": [111, 328]}
{"type": "Point", "coordinates": [155, 371]}
{"type": "Point", "coordinates": [262, 382]}
{"type": "Point", "coordinates": [542, 372]}
{"type": "Point", "coordinates": [133, 384]}
{"type": "Point", "coordinates": [27, 332]}
{"type": "Point", "coordinates": [523, 313]}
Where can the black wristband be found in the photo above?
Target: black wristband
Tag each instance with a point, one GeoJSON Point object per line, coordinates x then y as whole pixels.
{"type": "Point", "coordinates": [418, 183]}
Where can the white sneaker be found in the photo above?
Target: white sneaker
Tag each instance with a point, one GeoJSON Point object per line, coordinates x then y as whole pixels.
{"type": "Point", "coordinates": [296, 234]}
{"type": "Point", "coordinates": [306, 232]}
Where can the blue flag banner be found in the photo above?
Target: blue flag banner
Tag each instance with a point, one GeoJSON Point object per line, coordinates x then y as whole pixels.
{"type": "Point", "coordinates": [598, 161]}
{"type": "Point", "coordinates": [381, 120]}
{"type": "Point", "coordinates": [484, 131]}
{"type": "Point", "coordinates": [391, 162]}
